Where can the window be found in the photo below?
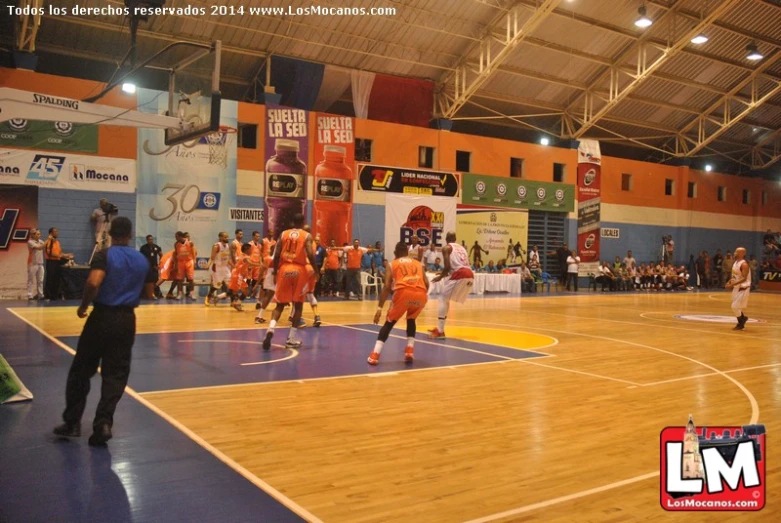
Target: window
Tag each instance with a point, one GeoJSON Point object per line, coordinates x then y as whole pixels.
{"type": "Point", "coordinates": [516, 168]}
{"type": "Point", "coordinates": [626, 182]}
{"type": "Point", "coordinates": [248, 136]}
{"type": "Point", "coordinates": [425, 157]}
{"type": "Point", "coordinates": [746, 197]}
{"type": "Point", "coordinates": [363, 150]}
{"type": "Point", "coordinates": [722, 193]}
{"type": "Point", "coordinates": [692, 192]}
{"type": "Point", "coordinates": [669, 187]}
{"type": "Point", "coordinates": [463, 161]}
{"type": "Point", "coordinates": [559, 172]}
{"type": "Point", "coordinates": [764, 197]}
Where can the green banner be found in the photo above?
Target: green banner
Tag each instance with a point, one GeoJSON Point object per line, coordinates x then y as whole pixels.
{"type": "Point", "coordinates": [9, 383]}
{"type": "Point", "coordinates": [514, 193]}
{"type": "Point", "coordinates": [52, 136]}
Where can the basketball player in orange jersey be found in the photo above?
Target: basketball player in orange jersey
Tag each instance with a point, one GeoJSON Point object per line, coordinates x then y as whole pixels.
{"type": "Point", "coordinates": [236, 245]}
{"type": "Point", "coordinates": [310, 289]}
{"type": "Point", "coordinates": [407, 279]}
{"type": "Point", "coordinates": [238, 287]}
{"type": "Point", "coordinates": [256, 255]}
{"type": "Point", "coordinates": [458, 281]}
{"type": "Point", "coordinates": [167, 268]}
{"type": "Point", "coordinates": [740, 283]}
{"type": "Point", "coordinates": [268, 243]}
{"type": "Point", "coordinates": [290, 260]}
{"type": "Point", "coordinates": [185, 262]}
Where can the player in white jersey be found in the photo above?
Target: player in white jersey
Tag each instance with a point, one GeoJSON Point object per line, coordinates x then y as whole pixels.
{"type": "Point", "coordinates": [458, 280]}
{"type": "Point", "coordinates": [740, 283]}
{"type": "Point", "coordinates": [220, 264]}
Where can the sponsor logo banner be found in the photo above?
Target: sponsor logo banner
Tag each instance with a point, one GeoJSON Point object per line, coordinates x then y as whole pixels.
{"type": "Point", "coordinates": [247, 215]}
{"type": "Point", "coordinates": [497, 231]}
{"type": "Point", "coordinates": [335, 154]}
{"type": "Point", "coordinates": [51, 136]}
{"type": "Point", "coordinates": [18, 216]}
{"type": "Point", "coordinates": [589, 205]}
{"type": "Point", "coordinates": [67, 171]}
{"type": "Point", "coordinates": [407, 181]}
{"type": "Point", "coordinates": [427, 217]}
{"type": "Point", "coordinates": [610, 233]}
{"type": "Point", "coordinates": [514, 193]}
{"type": "Point", "coordinates": [713, 469]}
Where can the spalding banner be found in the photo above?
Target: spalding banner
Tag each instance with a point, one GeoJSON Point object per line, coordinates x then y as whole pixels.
{"type": "Point", "coordinates": [427, 217]}
{"type": "Point", "coordinates": [589, 198]}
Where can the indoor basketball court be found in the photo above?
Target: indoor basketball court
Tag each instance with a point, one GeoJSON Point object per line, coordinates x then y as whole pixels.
{"type": "Point", "coordinates": [541, 402]}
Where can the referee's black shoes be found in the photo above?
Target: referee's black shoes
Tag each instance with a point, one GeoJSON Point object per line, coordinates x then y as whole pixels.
{"type": "Point", "coordinates": [100, 436]}
{"type": "Point", "coordinates": [66, 430]}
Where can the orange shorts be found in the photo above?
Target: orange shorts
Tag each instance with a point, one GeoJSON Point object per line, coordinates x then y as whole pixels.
{"type": "Point", "coordinates": [237, 284]}
{"type": "Point", "coordinates": [255, 273]}
{"type": "Point", "coordinates": [311, 281]}
{"type": "Point", "coordinates": [167, 267]}
{"type": "Point", "coordinates": [185, 269]}
{"type": "Point", "coordinates": [291, 283]}
{"type": "Point", "coordinates": [409, 302]}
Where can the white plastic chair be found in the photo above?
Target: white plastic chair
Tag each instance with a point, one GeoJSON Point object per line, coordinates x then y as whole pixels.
{"type": "Point", "coordinates": [367, 281]}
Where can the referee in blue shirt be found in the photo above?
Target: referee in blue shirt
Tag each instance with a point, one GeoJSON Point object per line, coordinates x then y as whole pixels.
{"type": "Point", "coordinates": [114, 285]}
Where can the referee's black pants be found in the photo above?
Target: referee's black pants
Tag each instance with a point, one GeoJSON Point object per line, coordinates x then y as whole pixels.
{"type": "Point", "coordinates": [107, 340]}
{"type": "Point", "coordinates": [52, 280]}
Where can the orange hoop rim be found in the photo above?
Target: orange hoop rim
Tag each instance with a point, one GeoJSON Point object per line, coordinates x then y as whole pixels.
{"type": "Point", "coordinates": [226, 129]}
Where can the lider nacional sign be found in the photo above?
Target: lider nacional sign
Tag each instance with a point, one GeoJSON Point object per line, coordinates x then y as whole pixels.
{"type": "Point", "coordinates": [512, 193]}
{"type": "Point", "coordinates": [407, 181]}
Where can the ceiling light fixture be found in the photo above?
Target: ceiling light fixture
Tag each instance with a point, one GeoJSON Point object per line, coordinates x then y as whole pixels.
{"type": "Point", "coordinates": [128, 88]}
{"type": "Point", "coordinates": [699, 39]}
{"type": "Point", "coordinates": [708, 168]}
{"type": "Point", "coordinates": [753, 52]}
{"type": "Point", "coordinates": [643, 21]}
{"type": "Point", "coordinates": [544, 140]}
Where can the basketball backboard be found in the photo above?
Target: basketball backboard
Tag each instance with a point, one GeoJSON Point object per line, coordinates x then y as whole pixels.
{"type": "Point", "coordinates": [194, 95]}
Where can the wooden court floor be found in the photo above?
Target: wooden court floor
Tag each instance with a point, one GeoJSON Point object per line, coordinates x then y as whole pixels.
{"type": "Point", "coordinates": [569, 437]}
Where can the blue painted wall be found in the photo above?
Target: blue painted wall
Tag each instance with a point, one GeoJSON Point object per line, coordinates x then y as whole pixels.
{"type": "Point", "coordinates": [369, 223]}
{"type": "Point", "coordinates": [70, 211]}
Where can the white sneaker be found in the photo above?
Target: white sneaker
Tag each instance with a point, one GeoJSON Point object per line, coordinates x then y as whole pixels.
{"type": "Point", "coordinates": [293, 344]}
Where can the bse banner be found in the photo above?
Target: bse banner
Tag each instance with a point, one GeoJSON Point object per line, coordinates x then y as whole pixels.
{"type": "Point", "coordinates": [287, 151]}
{"type": "Point", "coordinates": [18, 216]}
{"type": "Point", "coordinates": [335, 160]}
{"type": "Point", "coordinates": [51, 136]}
{"type": "Point", "coordinates": [429, 218]}
{"type": "Point", "coordinates": [589, 203]}
{"type": "Point", "coordinates": [179, 188]}
{"type": "Point", "coordinates": [67, 171]}
{"type": "Point", "coordinates": [406, 181]}
{"type": "Point", "coordinates": [719, 468]}
{"type": "Point", "coordinates": [514, 193]}
{"type": "Point", "coordinates": [496, 230]}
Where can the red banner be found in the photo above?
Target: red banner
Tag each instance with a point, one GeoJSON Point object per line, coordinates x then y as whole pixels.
{"type": "Point", "coordinates": [589, 202]}
{"type": "Point", "coordinates": [335, 163]}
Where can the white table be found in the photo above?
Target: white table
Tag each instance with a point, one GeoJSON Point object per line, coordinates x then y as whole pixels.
{"type": "Point", "coordinates": [485, 283]}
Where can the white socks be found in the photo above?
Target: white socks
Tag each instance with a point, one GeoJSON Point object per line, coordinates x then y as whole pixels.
{"type": "Point", "coordinates": [410, 342]}
{"type": "Point", "coordinates": [378, 345]}
{"type": "Point", "coordinates": [271, 325]}
{"type": "Point", "coordinates": [444, 306]}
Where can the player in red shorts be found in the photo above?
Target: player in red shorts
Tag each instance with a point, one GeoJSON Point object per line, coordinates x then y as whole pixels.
{"type": "Point", "coordinates": [291, 255]}
{"type": "Point", "coordinates": [407, 279]}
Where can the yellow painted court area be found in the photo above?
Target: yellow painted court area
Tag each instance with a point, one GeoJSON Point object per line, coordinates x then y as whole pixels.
{"type": "Point", "coordinates": [548, 439]}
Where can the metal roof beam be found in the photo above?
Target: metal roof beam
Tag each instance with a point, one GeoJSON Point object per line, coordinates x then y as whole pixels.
{"type": "Point", "coordinates": [761, 156]}
{"type": "Point", "coordinates": [491, 53]}
{"type": "Point", "coordinates": [724, 104]}
{"type": "Point", "coordinates": [28, 26]}
{"type": "Point", "coordinates": [644, 69]}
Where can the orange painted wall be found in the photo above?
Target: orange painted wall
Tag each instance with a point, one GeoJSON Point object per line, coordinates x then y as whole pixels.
{"type": "Point", "coordinates": [113, 141]}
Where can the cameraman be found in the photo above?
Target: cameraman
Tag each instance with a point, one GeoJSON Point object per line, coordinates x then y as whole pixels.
{"type": "Point", "coordinates": [101, 217]}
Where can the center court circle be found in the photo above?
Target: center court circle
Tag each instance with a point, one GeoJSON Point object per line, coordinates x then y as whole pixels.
{"type": "Point", "coordinates": [708, 318]}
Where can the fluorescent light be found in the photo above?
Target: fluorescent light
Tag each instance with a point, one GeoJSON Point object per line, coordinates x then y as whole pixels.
{"type": "Point", "coordinates": [544, 140]}
{"type": "Point", "coordinates": [708, 168]}
{"type": "Point", "coordinates": [753, 52]}
{"type": "Point", "coordinates": [128, 88]}
{"type": "Point", "coordinates": [643, 21]}
{"type": "Point", "coordinates": [699, 39]}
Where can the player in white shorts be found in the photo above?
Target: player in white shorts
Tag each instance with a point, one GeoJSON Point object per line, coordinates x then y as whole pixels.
{"type": "Point", "coordinates": [458, 280]}
{"type": "Point", "coordinates": [740, 283]}
{"type": "Point", "coordinates": [220, 265]}
{"type": "Point", "coordinates": [269, 286]}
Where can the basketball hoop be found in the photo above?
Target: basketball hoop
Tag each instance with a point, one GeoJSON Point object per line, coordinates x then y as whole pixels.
{"type": "Point", "coordinates": [218, 145]}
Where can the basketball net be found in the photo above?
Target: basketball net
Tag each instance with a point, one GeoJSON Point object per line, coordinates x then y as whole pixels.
{"type": "Point", "coordinates": [218, 146]}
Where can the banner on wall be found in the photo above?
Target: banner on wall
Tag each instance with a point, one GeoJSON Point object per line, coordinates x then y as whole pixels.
{"type": "Point", "coordinates": [179, 189]}
{"type": "Point", "coordinates": [589, 205]}
{"type": "Point", "coordinates": [514, 193]}
{"type": "Point", "coordinates": [67, 171]}
{"type": "Point", "coordinates": [335, 154]}
{"type": "Point", "coordinates": [287, 148]}
{"type": "Point", "coordinates": [496, 230]}
{"type": "Point", "coordinates": [427, 217]}
{"type": "Point", "coordinates": [18, 215]}
{"type": "Point", "coordinates": [51, 136]}
{"type": "Point", "coordinates": [407, 181]}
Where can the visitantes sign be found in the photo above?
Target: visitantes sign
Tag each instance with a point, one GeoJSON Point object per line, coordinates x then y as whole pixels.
{"type": "Point", "coordinates": [407, 181]}
{"type": "Point", "coordinates": [67, 171]}
{"type": "Point", "coordinates": [513, 193]}
{"type": "Point", "coordinates": [52, 136]}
